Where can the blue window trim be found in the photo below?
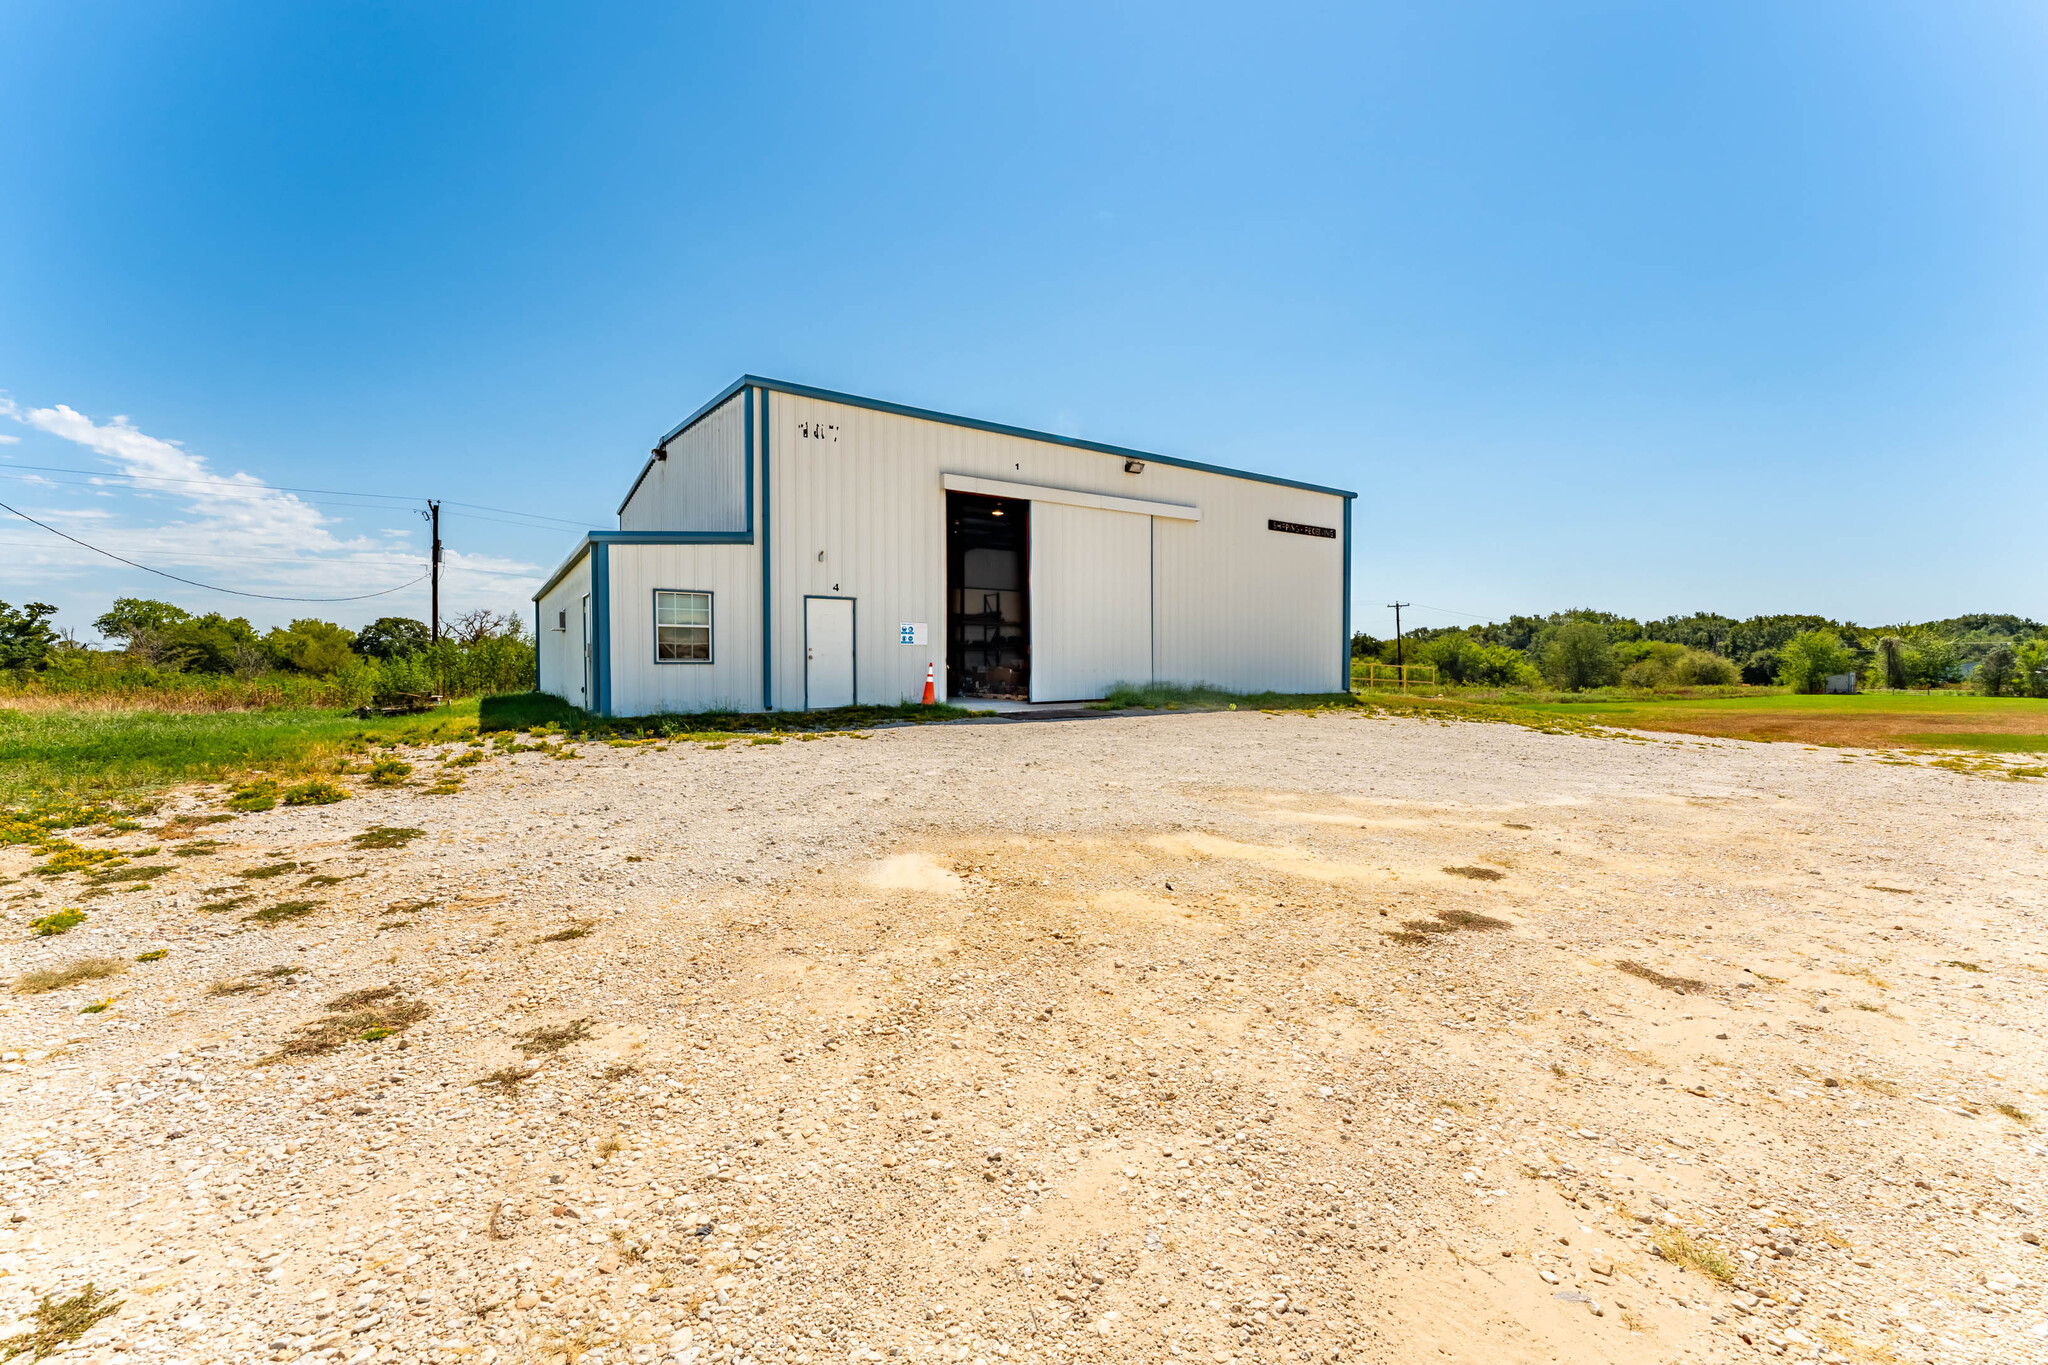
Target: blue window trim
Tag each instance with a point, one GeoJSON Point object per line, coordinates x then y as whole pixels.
{"type": "Point", "coordinates": [809, 598]}
{"type": "Point", "coordinates": [854, 400]}
{"type": "Point", "coordinates": [767, 567]}
{"type": "Point", "coordinates": [654, 605]}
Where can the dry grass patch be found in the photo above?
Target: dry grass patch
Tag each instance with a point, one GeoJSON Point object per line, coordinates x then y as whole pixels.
{"type": "Point", "coordinates": [58, 1322]}
{"type": "Point", "coordinates": [549, 1038]}
{"type": "Point", "coordinates": [1681, 1248]}
{"type": "Point", "coordinates": [1476, 873]}
{"type": "Point", "coordinates": [281, 912]}
{"type": "Point", "coordinates": [386, 836]}
{"type": "Point", "coordinates": [257, 874]}
{"type": "Point", "coordinates": [365, 1016]}
{"type": "Point", "coordinates": [71, 974]}
{"type": "Point", "coordinates": [575, 931]}
{"type": "Point", "coordinates": [1684, 985]}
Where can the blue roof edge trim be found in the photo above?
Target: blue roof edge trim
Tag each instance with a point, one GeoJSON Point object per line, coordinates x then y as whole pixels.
{"type": "Point", "coordinates": [699, 415]}
{"type": "Point", "coordinates": [972, 423]}
{"type": "Point", "coordinates": [591, 538]}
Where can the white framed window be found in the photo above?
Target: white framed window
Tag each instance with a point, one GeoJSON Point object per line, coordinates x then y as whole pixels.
{"type": "Point", "coordinates": [682, 627]}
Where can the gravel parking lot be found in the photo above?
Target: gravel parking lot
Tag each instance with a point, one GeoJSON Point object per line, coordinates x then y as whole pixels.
{"type": "Point", "coordinates": [1205, 1037]}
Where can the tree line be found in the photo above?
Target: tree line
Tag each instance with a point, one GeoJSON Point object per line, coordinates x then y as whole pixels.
{"type": "Point", "coordinates": [159, 646]}
{"type": "Point", "coordinates": [1998, 655]}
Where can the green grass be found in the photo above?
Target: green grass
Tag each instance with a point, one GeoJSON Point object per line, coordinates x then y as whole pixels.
{"type": "Point", "coordinates": [525, 710]}
{"type": "Point", "coordinates": [1202, 697]}
{"type": "Point", "coordinates": [47, 751]}
{"type": "Point", "coordinates": [1950, 720]}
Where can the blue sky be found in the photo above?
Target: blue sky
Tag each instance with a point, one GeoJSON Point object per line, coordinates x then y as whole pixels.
{"type": "Point", "coordinates": [1660, 308]}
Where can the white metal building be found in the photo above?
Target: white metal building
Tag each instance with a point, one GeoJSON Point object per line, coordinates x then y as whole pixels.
{"type": "Point", "coordinates": [789, 547]}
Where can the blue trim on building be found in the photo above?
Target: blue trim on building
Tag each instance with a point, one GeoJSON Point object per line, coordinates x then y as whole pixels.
{"type": "Point", "coordinates": [699, 415]}
{"type": "Point", "coordinates": [950, 419]}
{"type": "Point", "coordinates": [1345, 674]}
{"type": "Point", "coordinates": [767, 566]}
{"type": "Point", "coordinates": [536, 644]}
{"type": "Point", "coordinates": [591, 538]}
{"type": "Point", "coordinates": [601, 625]}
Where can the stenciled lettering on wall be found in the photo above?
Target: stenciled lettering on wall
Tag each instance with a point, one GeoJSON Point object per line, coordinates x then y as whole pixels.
{"type": "Point", "coordinates": [818, 431]}
{"type": "Point", "coordinates": [1296, 528]}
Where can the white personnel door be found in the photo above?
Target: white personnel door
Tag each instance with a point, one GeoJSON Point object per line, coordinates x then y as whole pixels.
{"type": "Point", "coordinates": [828, 652]}
{"type": "Point", "coordinates": [1091, 601]}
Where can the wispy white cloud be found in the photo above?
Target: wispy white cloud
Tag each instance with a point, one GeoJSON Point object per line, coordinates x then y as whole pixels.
{"type": "Point", "coordinates": [232, 529]}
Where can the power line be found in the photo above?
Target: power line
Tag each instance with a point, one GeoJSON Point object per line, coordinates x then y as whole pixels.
{"type": "Point", "coordinates": [282, 488]}
{"type": "Point", "coordinates": [176, 578]}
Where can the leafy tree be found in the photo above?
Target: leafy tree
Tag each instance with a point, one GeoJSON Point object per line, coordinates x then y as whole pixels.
{"type": "Point", "coordinates": [310, 646]}
{"type": "Point", "coordinates": [215, 644]}
{"type": "Point", "coordinates": [1365, 646]}
{"type": "Point", "coordinates": [131, 617]}
{"type": "Point", "coordinates": [392, 637]}
{"type": "Point", "coordinates": [1808, 658]}
{"type": "Point", "coordinates": [1998, 674]}
{"type": "Point", "coordinates": [26, 640]}
{"type": "Point", "coordinates": [1893, 664]}
{"type": "Point", "coordinates": [1578, 655]}
{"type": "Point", "coordinates": [2030, 669]}
{"type": "Point", "coordinates": [1932, 661]}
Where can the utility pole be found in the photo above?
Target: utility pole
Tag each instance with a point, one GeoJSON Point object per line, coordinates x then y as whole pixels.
{"type": "Point", "coordinates": [1399, 660]}
{"type": "Point", "coordinates": [434, 515]}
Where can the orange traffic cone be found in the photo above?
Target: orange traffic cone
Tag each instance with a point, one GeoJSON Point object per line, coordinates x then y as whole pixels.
{"type": "Point", "coordinates": [930, 697]}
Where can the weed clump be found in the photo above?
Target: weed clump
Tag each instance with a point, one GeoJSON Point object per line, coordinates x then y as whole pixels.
{"type": "Point", "coordinates": [281, 912]}
{"type": "Point", "coordinates": [153, 955]}
{"type": "Point", "coordinates": [97, 1007]}
{"type": "Point", "coordinates": [1683, 985]}
{"type": "Point", "coordinates": [70, 974]}
{"type": "Point", "coordinates": [260, 794]}
{"type": "Point", "coordinates": [564, 935]}
{"type": "Point", "coordinates": [506, 1078]}
{"type": "Point", "coordinates": [550, 1038]}
{"type": "Point", "coordinates": [65, 857]}
{"type": "Point", "coordinates": [365, 1016]}
{"type": "Point", "coordinates": [198, 848]}
{"type": "Point", "coordinates": [62, 922]}
{"type": "Point", "coordinates": [389, 772]}
{"type": "Point", "coordinates": [60, 1322]}
{"type": "Point", "coordinates": [231, 903]}
{"type": "Point", "coordinates": [257, 874]}
{"type": "Point", "coordinates": [315, 792]}
{"type": "Point", "coordinates": [1475, 873]}
{"type": "Point", "coordinates": [385, 836]}
{"type": "Point", "coordinates": [1682, 1248]}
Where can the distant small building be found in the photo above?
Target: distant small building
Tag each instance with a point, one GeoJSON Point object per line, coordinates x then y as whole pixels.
{"type": "Point", "coordinates": [791, 548]}
{"type": "Point", "coordinates": [1840, 684]}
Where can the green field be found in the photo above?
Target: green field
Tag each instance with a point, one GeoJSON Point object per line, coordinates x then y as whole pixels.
{"type": "Point", "coordinates": [1875, 720]}
{"type": "Point", "coordinates": [53, 750]}
{"type": "Point", "coordinates": [93, 752]}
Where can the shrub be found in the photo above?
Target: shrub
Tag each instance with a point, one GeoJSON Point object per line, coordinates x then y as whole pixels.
{"type": "Point", "coordinates": [1578, 656]}
{"type": "Point", "coordinates": [260, 794]}
{"type": "Point", "coordinates": [1807, 659]}
{"type": "Point", "coordinates": [1697, 668]}
{"type": "Point", "coordinates": [1998, 674]}
{"type": "Point", "coordinates": [389, 772]}
{"type": "Point", "coordinates": [62, 922]}
{"type": "Point", "coordinates": [314, 793]}
{"type": "Point", "coordinates": [1932, 661]}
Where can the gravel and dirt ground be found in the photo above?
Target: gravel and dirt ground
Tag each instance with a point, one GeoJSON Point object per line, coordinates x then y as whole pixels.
{"type": "Point", "coordinates": [1316, 1037]}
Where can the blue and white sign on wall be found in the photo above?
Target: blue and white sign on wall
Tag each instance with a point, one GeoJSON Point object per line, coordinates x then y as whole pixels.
{"type": "Point", "coordinates": [912, 632]}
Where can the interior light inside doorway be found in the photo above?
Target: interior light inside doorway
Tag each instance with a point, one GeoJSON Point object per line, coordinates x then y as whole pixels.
{"type": "Point", "coordinates": [996, 512]}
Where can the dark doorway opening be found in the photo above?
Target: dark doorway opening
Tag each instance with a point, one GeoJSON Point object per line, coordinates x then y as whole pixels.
{"type": "Point", "coordinates": [988, 617]}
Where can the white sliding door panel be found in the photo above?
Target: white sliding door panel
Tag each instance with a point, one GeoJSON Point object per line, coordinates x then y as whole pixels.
{"type": "Point", "coordinates": [1091, 601]}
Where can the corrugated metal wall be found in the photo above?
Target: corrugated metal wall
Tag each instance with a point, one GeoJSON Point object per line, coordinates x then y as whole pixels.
{"type": "Point", "coordinates": [1091, 601]}
{"type": "Point", "coordinates": [701, 486]}
{"type": "Point", "coordinates": [1234, 603]}
{"type": "Point", "coordinates": [561, 651]}
{"type": "Point", "coordinates": [731, 574]}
